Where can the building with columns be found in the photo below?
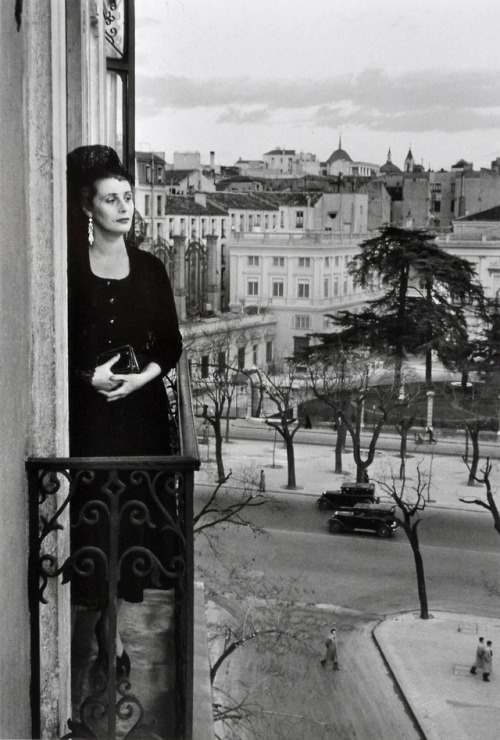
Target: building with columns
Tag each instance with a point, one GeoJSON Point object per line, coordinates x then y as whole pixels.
{"type": "Point", "coordinates": [299, 277]}
{"type": "Point", "coordinates": [215, 241]}
{"type": "Point", "coordinates": [476, 238]}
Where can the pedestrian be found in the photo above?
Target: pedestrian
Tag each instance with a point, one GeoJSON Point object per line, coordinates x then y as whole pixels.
{"type": "Point", "coordinates": [479, 662]}
{"type": "Point", "coordinates": [487, 660]}
{"type": "Point", "coordinates": [262, 482]}
{"type": "Point", "coordinates": [332, 652]}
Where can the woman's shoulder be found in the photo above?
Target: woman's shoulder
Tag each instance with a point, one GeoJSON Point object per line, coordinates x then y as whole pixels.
{"type": "Point", "coordinates": [142, 260]}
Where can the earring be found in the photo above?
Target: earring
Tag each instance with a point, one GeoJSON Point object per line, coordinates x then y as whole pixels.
{"type": "Point", "coordinates": [91, 231]}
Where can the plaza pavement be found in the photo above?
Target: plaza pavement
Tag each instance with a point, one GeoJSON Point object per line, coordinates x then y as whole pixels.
{"type": "Point", "coordinates": [429, 659]}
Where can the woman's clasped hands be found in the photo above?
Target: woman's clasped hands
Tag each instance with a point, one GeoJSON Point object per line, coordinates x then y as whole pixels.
{"type": "Point", "coordinates": [112, 385]}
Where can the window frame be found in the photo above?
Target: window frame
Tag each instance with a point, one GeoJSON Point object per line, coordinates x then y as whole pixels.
{"type": "Point", "coordinates": [278, 288]}
{"type": "Point", "coordinates": [303, 289]}
{"type": "Point", "coordinates": [254, 290]}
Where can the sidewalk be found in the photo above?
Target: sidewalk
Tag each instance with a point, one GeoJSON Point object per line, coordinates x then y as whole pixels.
{"type": "Point", "coordinates": [429, 659]}
{"type": "Point", "coordinates": [446, 475]}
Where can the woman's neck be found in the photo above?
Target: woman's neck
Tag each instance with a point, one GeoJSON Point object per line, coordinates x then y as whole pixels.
{"type": "Point", "coordinates": [109, 258]}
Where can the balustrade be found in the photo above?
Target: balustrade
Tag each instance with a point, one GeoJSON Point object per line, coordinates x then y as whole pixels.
{"type": "Point", "coordinates": [115, 521]}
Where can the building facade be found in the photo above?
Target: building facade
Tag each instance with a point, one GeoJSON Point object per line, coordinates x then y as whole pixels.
{"type": "Point", "coordinates": [428, 199]}
{"type": "Point", "coordinates": [476, 238]}
{"type": "Point", "coordinates": [299, 277]}
{"type": "Point", "coordinates": [59, 89]}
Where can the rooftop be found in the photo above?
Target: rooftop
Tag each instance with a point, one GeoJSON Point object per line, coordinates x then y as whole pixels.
{"type": "Point", "coordinates": [338, 155]}
{"type": "Point", "coordinates": [174, 177]}
{"type": "Point", "coordinates": [243, 201]}
{"type": "Point", "coordinates": [490, 214]}
{"type": "Point", "coordinates": [281, 152]}
{"type": "Point", "coordinates": [304, 199]}
{"type": "Point", "coordinates": [186, 205]}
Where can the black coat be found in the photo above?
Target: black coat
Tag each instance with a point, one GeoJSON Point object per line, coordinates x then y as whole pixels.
{"type": "Point", "coordinates": [104, 314]}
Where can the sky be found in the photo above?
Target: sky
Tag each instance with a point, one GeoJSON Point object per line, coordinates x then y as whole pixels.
{"type": "Point", "coordinates": [242, 77]}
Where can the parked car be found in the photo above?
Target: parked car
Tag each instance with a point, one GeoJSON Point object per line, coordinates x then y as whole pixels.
{"type": "Point", "coordinates": [349, 494]}
{"type": "Point", "coordinates": [378, 518]}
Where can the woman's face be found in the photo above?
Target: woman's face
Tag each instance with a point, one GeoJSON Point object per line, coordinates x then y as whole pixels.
{"type": "Point", "coordinates": [112, 206]}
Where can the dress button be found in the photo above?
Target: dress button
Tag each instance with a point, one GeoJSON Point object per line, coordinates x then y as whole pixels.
{"type": "Point", "coordinates": [110, 341]}
{"type": "Point", "coordinates": [112, 299]}
{"type": "Point", "coordinates": [108, 282]}
{"type": "Point", "coordinates": [112, 321]}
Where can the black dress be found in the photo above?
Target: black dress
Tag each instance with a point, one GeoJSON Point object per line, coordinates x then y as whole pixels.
{"type": "Point", "coordinates": [104, 314]}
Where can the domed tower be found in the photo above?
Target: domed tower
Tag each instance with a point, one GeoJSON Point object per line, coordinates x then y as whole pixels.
{"type": "Point", "coordinates": [339, 162]}
{"type": "Point", "coordinates": [409, 161]}
{"type": "Point", "coordinates": [389, 168]}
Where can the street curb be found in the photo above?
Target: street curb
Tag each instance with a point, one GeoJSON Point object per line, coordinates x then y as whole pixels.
{"type": "Point", "coordinates": [401, 693]}
{"type": "Point", "coordinates": [315, 494]}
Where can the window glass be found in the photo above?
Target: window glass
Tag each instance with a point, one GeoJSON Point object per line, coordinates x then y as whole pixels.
{"type": "Point", "coordinates": [302, 289]}
{"type": "Point", "coordinates": [278, 289]}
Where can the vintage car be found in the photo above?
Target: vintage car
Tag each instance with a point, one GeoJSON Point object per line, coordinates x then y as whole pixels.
{"type": "Point", "coordinates": [349, 494]}
{"type": "Point", "coordinates": [378, 518]}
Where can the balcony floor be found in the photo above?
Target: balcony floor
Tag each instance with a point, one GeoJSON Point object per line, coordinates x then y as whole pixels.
{"type": "Point", "coordinates": [147, 631]}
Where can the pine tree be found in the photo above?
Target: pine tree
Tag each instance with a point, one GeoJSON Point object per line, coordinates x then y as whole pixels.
{"type": "Point", "coordinates": [424, 296]}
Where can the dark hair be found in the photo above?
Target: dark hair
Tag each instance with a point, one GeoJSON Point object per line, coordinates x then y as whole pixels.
{"type": "Point", "coordinates": [88, 187]}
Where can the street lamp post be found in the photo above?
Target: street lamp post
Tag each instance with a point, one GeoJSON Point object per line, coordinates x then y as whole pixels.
{"type": "Point", "coordinates": [430, 408]}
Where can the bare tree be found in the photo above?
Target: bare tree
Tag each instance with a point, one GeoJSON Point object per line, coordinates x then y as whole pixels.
{"type": "Point", "coordinates": [410, 507]}
{"type": "Point", "coordinates": [476, 405]}
{"type": "Point", "coordinates": [343, 380]}
{"type": "Point", "coordinates": [285, 387]}
{"type": "Point", "coordinates": [222, 507]}
{"type": "Point", "coordinates": [266, 626]}
{"type": "Point", "coordinates": [490, 504]}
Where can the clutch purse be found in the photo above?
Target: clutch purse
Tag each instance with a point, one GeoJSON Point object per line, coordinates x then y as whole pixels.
{"type": "Point", "coordinates": [126, 363]}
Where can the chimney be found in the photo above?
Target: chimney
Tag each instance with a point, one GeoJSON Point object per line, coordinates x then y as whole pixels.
{"type": "Point", "coordinates": [212, 160]}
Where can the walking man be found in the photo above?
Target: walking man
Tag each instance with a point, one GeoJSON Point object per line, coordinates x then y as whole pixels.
{"type": "Point", "coordinates": [262, 482]}
{"type": "Point", "coordinates": [430, 434]}
{"type": "Point", "coordinates": [487, 660]}
{"type": "Point", "coordinates": [479, 662]}
{"type": "Point", "coordinates": [331, 654]}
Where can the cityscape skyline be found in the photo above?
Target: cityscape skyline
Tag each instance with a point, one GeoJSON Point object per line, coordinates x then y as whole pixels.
{"type": "Point", "coordinates": [243, 78]}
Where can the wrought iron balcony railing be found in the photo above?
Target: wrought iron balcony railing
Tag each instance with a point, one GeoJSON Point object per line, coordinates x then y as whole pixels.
{"type": "Point", "coordinates": [113, 521]}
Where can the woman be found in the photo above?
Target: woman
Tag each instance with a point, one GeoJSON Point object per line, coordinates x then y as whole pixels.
{"type": "Point", "coordinates": [118, 297]}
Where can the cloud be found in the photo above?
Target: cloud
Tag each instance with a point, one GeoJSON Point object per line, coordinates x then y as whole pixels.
{"type": "Point", "coordinates": [436, 118]}
{"type": "Point", "coordinates": [411, 101]}
{"type": "Point", "coordinates": [239, 116]}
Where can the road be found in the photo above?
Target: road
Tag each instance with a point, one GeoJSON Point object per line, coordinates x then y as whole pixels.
{"type": "Point", "coordinates": [360, 571]}
{"type": "Point", "coordinates": [295, 563]}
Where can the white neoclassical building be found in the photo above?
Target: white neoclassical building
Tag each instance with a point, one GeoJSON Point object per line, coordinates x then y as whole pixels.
{"type": "Point", "coordinates": [476, 238]}
{"type": "Point", "coordinates": [299, 277]}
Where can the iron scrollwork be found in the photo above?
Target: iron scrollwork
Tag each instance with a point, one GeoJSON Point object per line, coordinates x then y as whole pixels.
{"type": "Point", "coordinates": [114, 26]}
{"type": "Point", "coordinates": [127, 525]}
